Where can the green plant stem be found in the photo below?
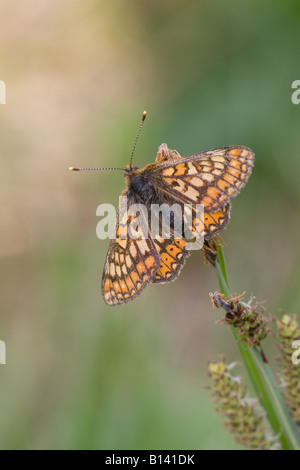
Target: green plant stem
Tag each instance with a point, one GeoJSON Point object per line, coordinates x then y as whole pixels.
{"type": "Point", "coordinates": [262, 377]}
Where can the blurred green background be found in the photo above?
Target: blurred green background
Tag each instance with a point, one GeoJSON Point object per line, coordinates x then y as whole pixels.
{"type": "Point", "coordinates": [78, 76]}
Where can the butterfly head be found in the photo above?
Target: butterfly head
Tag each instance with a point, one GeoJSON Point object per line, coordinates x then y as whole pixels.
{"type": "Point", "coordinates": [129, 169]}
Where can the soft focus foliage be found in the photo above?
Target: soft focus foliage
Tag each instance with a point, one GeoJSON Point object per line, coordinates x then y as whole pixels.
{"type": "Point", "coordinates": [243, 417]}
{"type": "Point", "coordinates": [288, 343]}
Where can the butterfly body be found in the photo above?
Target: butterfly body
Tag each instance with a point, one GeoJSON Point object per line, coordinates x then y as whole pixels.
{"type": "Point", "coordinates": [209, 178]}
{"type": "Point", "coordinates": [138, 183]}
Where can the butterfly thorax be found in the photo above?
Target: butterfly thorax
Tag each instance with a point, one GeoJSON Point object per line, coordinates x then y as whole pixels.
{"type": "Point", "coordinates": [140, 184]}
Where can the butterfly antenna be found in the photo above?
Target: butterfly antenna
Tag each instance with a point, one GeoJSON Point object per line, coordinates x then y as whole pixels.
{"type": "Point", "coordinates": [72, 168]}
{"type": "Point", "coordinates": [137, 137]}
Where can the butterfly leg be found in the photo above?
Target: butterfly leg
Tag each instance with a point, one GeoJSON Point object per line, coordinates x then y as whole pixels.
{"type": "Point", "coordinates": [165, 154]}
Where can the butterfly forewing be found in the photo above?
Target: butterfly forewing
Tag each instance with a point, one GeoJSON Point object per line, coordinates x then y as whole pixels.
{"type": "Point", "coordinates": [210, 178]}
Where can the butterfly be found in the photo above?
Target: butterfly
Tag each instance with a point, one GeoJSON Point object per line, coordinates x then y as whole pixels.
{"type": "Point", "coordinates": [210, 178]}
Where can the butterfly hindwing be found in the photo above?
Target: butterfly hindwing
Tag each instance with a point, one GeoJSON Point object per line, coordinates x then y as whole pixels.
{"type": "Point", "coordinates": [172, 258]}
{"type": "Point", "coordinates": [215, 222]}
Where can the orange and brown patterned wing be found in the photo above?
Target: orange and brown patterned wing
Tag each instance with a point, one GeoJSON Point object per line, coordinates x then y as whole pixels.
{"type": "Point", "coordinates": [172, 258]}
{"type": "Point", "coordinates": [213, 222]}
{"type": "Point", "coordinates": [129, 266]}
{"type": "Point", "coordinates": [210, 178]}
